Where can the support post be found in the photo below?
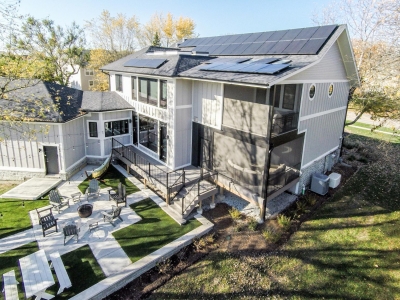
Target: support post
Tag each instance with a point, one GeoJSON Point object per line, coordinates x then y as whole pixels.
{"type": "Point", "coordinates": [200, 209]}
{"type": "Point", "coordinates": [149, 169]}
{"type": "Point", "coordinates": [168, 193]}
{"type": "Point", "coordinates": [127, 168]}
{"type": "Point", "coordinates": [212, 205]}
{"type": "Point", "coordinates": [221, 193]}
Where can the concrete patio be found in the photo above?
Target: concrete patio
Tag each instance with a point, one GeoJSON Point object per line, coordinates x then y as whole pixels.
{"type": "Point", "coordinates": [32, 189]}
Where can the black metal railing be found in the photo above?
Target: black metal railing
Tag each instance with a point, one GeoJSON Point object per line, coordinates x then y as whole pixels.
{"type": "Point", "coordinates": [168, 179]}
{"type": "Point", "coordinates": [279, 178]}
{"type": "Point", "coordinates": [284, 123]}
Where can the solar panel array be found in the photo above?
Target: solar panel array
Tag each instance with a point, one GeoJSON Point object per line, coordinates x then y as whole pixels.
{"type": "Point", "coordinates": [144, 63]}
{"type": "Point", "coordinates": [257, 68]}
{"type": "Point", "coordinates": [295, 41]}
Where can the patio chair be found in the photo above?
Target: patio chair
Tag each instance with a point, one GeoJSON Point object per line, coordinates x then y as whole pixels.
{"type": "Point", "coordinates": [111, 215]}
{"type": "Point", "coordinates": [71, 230]}
{"type": "Point", "coordinates": [118, 196]}
{"type": "Point", "coordinates": [57, 200]}
{"type": "Point", "coordinates": [93, 189]}
{"type": "Point", "coordinates": [48, 222]}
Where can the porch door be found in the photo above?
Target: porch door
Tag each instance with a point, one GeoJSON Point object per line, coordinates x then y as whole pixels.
{"type": "Point", "coordinates": [51, 159]}
{"type": "Point", "coordinates": [205, 154]}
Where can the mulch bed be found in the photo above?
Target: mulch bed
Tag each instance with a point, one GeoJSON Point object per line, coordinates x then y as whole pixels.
{"type": "Point", "coordinates": [228, 239]}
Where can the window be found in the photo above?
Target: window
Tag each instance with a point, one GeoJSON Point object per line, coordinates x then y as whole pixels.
{"type": "Point", "coordinates": [311, 92]}
{"type": "Point", "coordinates": [330, 90]}
{"type": "Point", "coordinates": [93, 129]}
{"type": "Point", "coordinates": [116, 128]}
{"type": "Point", "coordinates": [118, 82]}
{"type": "Point", "coordinates": [148, 133]}
{"type": "Point", "coordinates": [134, 87]}
{"type": "Point", "coordinates": [148, 91]}
{"type": "Point", "coordinates": [163, 93]}
{"type": "Point", "coordinates": [289, 96]}
{"type": "Point", "coordinates": [91, 83]}
{"type": "Point", "coordinates": [89, 72]}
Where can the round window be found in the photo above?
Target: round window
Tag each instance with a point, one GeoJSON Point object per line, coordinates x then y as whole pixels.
{"type": "Point", "coordinates": [311, 93]}
{"type": "Point", "coordinates": [330, 90]}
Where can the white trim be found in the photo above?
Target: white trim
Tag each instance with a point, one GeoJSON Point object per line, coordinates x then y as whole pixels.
{"type": "Point", "coordinates": [174, 150]}
{"type": "Point", "coordinates": [265, 86]}
{"type": "Point", "coordinates": [101, 139]}
{"type": "Point", "coordinates": [96, 156]}
{"type": "Point", "coordinates": [88, 129]}
{"type": "Point", "coordinates": [312, 81]}
{"type": "Point", "coordinates": [222, 104]}
{"type": "Point", "coordinates": [315, 91]}
{"type": "Point", "coordinates": [183, 106]}
{"type": "Point", "coordinates": [326, 112]}
{"type": "Point", "coordinates": [319, 157]}
{"type": "Point", "coordinates": [75, 164]}
{"type": "Point", "coordinates": [138, 74]}
{"type": "Point", "coordinates": [61, 141]}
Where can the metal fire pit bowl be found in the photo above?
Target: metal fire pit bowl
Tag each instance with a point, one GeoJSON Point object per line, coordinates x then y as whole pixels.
{"type": "Point", "coordinates": [85, 210]}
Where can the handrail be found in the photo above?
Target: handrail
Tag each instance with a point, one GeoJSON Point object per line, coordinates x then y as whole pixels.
{"type": "Point", "coordinates": [188, 193]}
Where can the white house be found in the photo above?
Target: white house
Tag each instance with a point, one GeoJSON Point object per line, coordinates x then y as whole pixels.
{"type": "Point", "coordinates": [263, 111]}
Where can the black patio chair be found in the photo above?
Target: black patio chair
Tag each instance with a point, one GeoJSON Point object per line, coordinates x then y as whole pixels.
{"type": "Point", "coordinates": [70, 230]}
{"type": "Point", "coordinates": [48, 222]}
{"type": "Point", "coordinates": [119, 196]}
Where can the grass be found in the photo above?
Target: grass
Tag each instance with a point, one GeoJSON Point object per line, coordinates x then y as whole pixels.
{"type": "Point", "coordinates": [14, 217]}
{"type": "Point", "coordinates": [374, 135]}
{"type": "Point", "coordinates": [111, 179]}
{"type": "Point", "coordinates": [80, 264]}
{"type": "Point", "coordinates": [369, 126]}
{"type": "Point", "coordinates": [155, 230]}
{"type": "Point", "coordinates": [348, 250]}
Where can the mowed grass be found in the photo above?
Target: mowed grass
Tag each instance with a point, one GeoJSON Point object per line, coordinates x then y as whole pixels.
{"type": "Point", "coordinates": [111, 179]}
{"type": "Point", "coordinates": [389, 137]}
{"type": "Point", "coordinates": [155, 230]}
{"type": "Point", "coordinates": [14, 213]}
{"type": "Point", "coordinates": [349, 250]}
{"type": "Point", "coordinates": [82, 269]}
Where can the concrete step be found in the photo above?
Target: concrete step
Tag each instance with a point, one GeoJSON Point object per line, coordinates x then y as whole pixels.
{"type": "Point", "coordinates": [174, 214]}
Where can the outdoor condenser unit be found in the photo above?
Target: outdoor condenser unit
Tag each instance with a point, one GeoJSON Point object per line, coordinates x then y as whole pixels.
{"type": "Point", "coordinates": [319, 183]}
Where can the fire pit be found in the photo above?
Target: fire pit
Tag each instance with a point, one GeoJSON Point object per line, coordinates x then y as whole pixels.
{"type": "Point", "coordinates": [85, 210]}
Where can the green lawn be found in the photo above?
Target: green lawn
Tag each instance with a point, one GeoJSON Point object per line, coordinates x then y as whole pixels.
{"type": "Point", "coordinates": [14, 217]}
{"type": "Point", "coordinates": [155, 230]}
{"type": "Point", "coordinates": [82, 268]}
{"type": "Point", "coordinates": [369, 126]}
{"type": "Point", "coordinates": [374, 135]}
{"type": "Point", "coordinates": [111, 179]}
{"type": "Point", "coordinates": [349, 250]}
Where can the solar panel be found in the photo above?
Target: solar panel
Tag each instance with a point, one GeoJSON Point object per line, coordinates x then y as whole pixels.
{"type": "Point", "coordinates": [211, 41]}
{"type": "Point", "coordinates": [219, 50]}
{"type": "Point", "coordinates": [264, 36]}
{"type": "Point", "coordinates": [186, 43]}
{"type": "Point", "coordinates": [212, 49]}
{"type": "Point", "coordinates": [279, 47]}
{"type": "Point", "coordinates": [306, 33]}
{"type": "Point", "coordinates": [271, 69]}
{"type": "Point", "coordinates": [239, 49]}
{"type": "Point", "coordinates": [265, 60]}
{"type": "Point", "coordinates": [253, 37]}
{"type": "Point", "coordinates": [277, 35]}
{"type": "Point", "coordinates": [324, 32]}
{"type": "Point", "coordinates": [223, 39]}
{"type": "Point", "coordinates": [242, 38]}
{"type": "Point", "coordinates": [144, 63]}
{"type": "Point", "coordinates": [291, 34]}
{"type": "Point", "coordinates": [201, 48]}
{"type": "Point", "coordinates": [294, 47]}
{"type": "Point", "coordinates": [232, 39]}
{"type": "Point", "coordinates": [228, 59]}
{"type": "Point", "coordinates": [264, 49]}
{"type": "Point", "coordinates": [312, 46]}
{"type": "Point", "coordinates": [252, 48]}
{"type": "Point", "coordinates": [283, 61]}
{"type": "Point", "coordinates": [230, 49]}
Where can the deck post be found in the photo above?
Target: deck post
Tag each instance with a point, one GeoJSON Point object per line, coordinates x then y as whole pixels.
{"type": "Point", "coordinates": [145, 182]}
{"type": "Point", "coordinates": [200, 209]}
{"type": "Point", "coordinates": [221, 193]}
{"type": "Point", "coordinates": [167, 195]}
{"type": "Point", "coordinates": [149, 169]}
{"type": "Point", "coordinates": [212, 205]}
{"type": "Point", "coordinates": [127, 168]}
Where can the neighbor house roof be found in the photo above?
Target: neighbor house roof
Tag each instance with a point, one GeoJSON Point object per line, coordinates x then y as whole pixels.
{"type": "Point", "coordinates": [35, 100]}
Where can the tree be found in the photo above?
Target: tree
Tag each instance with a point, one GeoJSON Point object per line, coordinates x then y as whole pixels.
{"type": "Point", "coordinates": [170, 30]}
{"type": "Point", "coordinates": [156, 41]}
{"type": "Point", "coordinates": [61, 50]}
{"type": "Point", "coordinates": [111, 39]}
{"type": "Point", "coordinates": [373, 24]}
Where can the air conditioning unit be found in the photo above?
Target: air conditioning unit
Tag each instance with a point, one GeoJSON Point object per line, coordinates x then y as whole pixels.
{"type": "Point", "coordinates": [319, 183]}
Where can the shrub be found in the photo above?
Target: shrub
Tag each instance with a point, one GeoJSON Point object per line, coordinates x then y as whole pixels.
{"type": "Point", "coordinates": [351, 157]}
{"type": "Point", "coordinates": [252, 224]}
{"type": "Point", "coordinates": [311, 200]}
{"type": "Point", "coordinates": [165, 266]}
{"type": "Point", "coordinates": [210, 238]}
{"type": "Point", "coordinates": [284, 222]}
{"type": "Point", "coordinates": [238, 227]}
{"type": "Point", "coordinates": [199, 243]}
{"type": "Point", "coordinates": [301, 206]}
{"type": "Point", "coordinates": [235, 214]}
{"type": "Point", "coordinates": [271, 235]}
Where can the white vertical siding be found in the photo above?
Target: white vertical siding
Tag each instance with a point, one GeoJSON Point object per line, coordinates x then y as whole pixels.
{"type": "Point", "coordinates": [183, 136]}
{"type": "Point", "coordinates": [207, 103]}
{"type": "Point", "coordinates": [73, 141]}
{"type": "Point", "coordinates": [331, 67]}
{"type": "Point", "coordinates": [183, 92]}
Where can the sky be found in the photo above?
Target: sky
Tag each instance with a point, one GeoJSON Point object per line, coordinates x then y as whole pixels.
{"type": "Point", "coordinates": [212, 17]}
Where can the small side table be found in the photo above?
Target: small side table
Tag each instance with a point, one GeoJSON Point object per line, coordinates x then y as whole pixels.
{"type": "Point", "coordinates": [76, 197]}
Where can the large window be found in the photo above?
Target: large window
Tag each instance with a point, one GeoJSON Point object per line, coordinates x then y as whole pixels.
{"type": "Point", "coordinates": [289, 96]}
{"type": "Point", "coordinates": [116, 128]}
{"type": "Point", "coordinates": [148, 91]}
{"type": "Point", "coordinates": [93, 129]}
{"type": "Point", "coordinates": [148, 133]}
{"type": "Point", "coordinates": [163, 93]}
{"type": "Point", "coordinates": [134, 88]}
{"type": "Point", "coordinates": [118, 82]}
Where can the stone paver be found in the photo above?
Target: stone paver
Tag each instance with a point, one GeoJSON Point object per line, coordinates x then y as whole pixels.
{"type": "Point", "coordinates": [16, 240]}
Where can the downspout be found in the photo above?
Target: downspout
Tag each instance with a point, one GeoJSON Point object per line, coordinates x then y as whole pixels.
{"type": "Point", "coordinates": [351, 91]}
{"type": "Point", "coordinates": [109, 81]}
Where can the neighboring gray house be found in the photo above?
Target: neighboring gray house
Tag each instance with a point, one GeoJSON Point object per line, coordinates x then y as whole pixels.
{"type": "Point", "coordinates": [262, 110]}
